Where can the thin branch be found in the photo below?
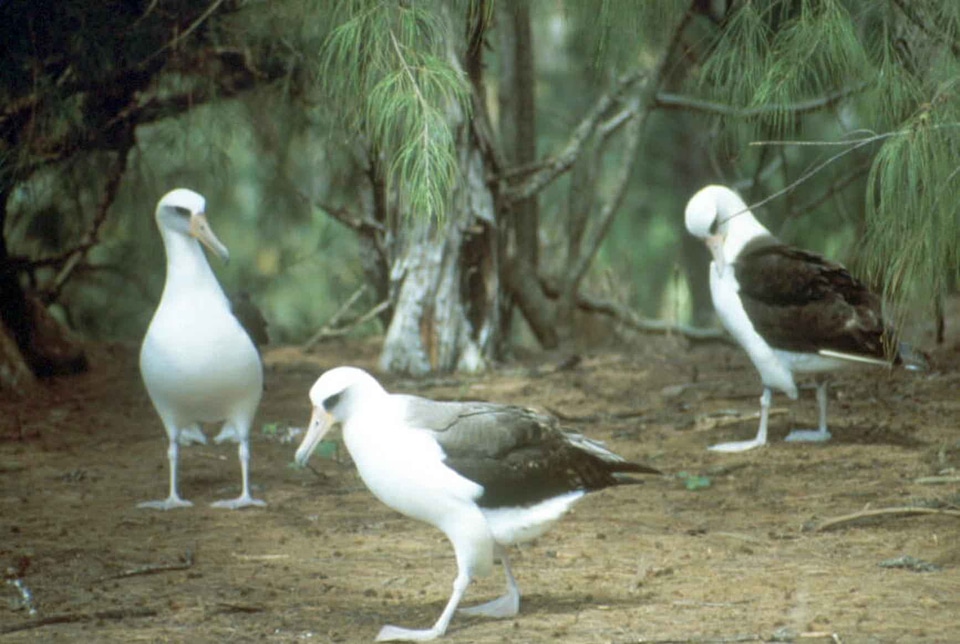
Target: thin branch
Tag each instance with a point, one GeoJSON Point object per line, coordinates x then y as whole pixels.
{"type": "Point", "coordinates": [326, 332]}
{"type": "Point", "coordinates": [68, 618]}
{"type": "Point", "coordinates": [838, 185]}
{"type": "Point", "coordinates": [870, 514]}
{"type": "Point", "coordinates": [564, 160]}
{"type": "Point", "coordinates": [668, 101]}
{"type": "Point", "coordinates": [629, 318]}
{"type": "Point", "coordinates": [645, 105]}
{"type": "Point", "coordinates": [92, 237]}
{"type": "Point", "coordinates": [335, 318]}
{"type": "Point", "coordinates": [154, 569]}
{"type": "Point", "coordinates": [856, 145]}
{"type": "Point", "coordinates": [588, 251]}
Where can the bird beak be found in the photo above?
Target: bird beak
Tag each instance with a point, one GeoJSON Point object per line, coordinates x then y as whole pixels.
{"type": "Point", "coordinates": [320, 424]}
{"type": "Point", "coordinates": [200, 229]}
{"type": "Point", "coordinates": [715, 244]}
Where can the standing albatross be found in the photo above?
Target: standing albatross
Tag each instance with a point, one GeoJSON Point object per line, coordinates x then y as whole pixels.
{"type": "Point", "coordinates": [487, 475]}
{"type": "Point", "coordinates": [197, 361]}
{"type": "Point", "coordinates": [792, 311]}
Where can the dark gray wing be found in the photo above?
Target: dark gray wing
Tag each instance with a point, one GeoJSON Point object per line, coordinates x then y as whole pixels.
{"type": "Point", "coordinates": [800, 301]}
{"type": "Point", "coordinates": [250, 318]}
{"type": "Point", "coordinates": [519, 456]}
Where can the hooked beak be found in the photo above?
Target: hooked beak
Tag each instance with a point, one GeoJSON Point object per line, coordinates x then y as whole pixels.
{"type": "Point", "coordinates": [320, 424]}
{"type": "Point", "coordinates": [201, 231]}
{"type": "Point", "coordinates": [715, 244]}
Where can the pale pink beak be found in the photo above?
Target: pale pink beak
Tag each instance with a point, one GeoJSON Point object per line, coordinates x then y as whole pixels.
{"type": "Point", "coordinates": [320, 424]}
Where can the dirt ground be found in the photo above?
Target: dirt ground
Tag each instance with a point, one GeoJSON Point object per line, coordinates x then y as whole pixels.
{"type": "Point", "coordinates": [723, 549]}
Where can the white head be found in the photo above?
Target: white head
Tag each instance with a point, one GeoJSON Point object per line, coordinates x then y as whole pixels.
{"type": "Point", "coordinates": [718, 216]}
{"type": "Point", "coordinates": [183, 212]}
{"type": "Point", "coordinates": [335, 396]}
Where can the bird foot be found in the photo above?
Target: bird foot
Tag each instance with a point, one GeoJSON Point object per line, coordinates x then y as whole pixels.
{"type": "Point", "coordinates": [396, 634]}
{"type": "Point", "coordinates": [191, 435]}
{"type": "Point", "coordinates": [242, 501]}
{"type": "Point", "coordinates": [167, 504]}
{"type": "Point", "coordinates": [501, 607]}
{"type": "Point", "coordinates": [737, 446]}
{"type": "Point", "coordinates": [228, 433]}
{"type": "Point", "coordinates": [808, 436]}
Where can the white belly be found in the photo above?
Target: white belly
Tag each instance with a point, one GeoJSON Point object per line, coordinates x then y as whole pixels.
{"type": "Point", "coordinates": [199, 365]}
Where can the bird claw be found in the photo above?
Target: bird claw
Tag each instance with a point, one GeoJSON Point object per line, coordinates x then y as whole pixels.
{"type": "Point", "coordinates": [240, 502]}
{"type": "Point", "coordinates": [169, 503]}
{"type": "Point", "coordinates": [500, 608]}
{"type": "Point", "coordinates": [808, 436]}
{"type": "Point", "coordinates": [737, 446]}
{"type": "Point", "coordinates": [396, 634]}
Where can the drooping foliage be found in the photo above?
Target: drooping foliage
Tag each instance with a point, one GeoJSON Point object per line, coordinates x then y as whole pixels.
{"type": "Point", "coordinates": [388, 67]}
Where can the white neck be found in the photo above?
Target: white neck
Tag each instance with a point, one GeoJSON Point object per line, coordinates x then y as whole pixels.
{"type": "Point", "coordinates": [187, 266]}
{"type": "Point", "coordinates": [740, 228]}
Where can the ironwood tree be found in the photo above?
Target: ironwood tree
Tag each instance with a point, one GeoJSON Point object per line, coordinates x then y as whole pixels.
{"type": "Point", "coordinates": [449, 184]}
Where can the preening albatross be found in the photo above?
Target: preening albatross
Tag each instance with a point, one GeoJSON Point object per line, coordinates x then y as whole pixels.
{"type": "Point", "coordinates": [197, 361]}
{"type": "Point", "coordinates": [487, 475]}
{"type": "Point", "coordinates": [792, 311]}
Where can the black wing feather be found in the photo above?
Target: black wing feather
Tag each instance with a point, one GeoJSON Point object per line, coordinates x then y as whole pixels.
{"type": "Point", "coordinates": [800, 301]}
{"type": "Point", "coordinates": [521, 457]}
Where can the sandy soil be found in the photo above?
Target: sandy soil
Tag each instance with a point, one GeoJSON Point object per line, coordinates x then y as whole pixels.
{"type": "Point", "coordinates": [738, 559]}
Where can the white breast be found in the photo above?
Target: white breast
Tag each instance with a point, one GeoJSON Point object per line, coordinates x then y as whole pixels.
{"type": "Point", "coordinates": [198, 363]}
{"type": "Point", "coordinates": [725, 292]}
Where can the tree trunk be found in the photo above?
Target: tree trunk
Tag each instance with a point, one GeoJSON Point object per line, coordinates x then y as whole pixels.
{"type": "Point", "coordinates": [14, 373]}
{"type": "Point", "coordinates": [30, 338]}
{"type": "Point", "coordinates": [444, 278]}
{"type": "Point", "coordinates": [518, 140]}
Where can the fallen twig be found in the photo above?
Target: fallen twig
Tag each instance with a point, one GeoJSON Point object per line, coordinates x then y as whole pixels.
{"type": "Point", "coordinates": [153, 569]}
{"type": "Point", "coordinates": [335, 318]}
{"type": "Point", "coordinates": [723, 419]}
{"type": "Point", "coordinates": [907, 510]}
{"type": "Point", "coordinates": [937, 480]}
{"type": "Point", "coordinates": [780, 636]}
{"type": "Point", "coordinates": [67, 618]}
{"type": "Point", "coordinates": [326, 331]}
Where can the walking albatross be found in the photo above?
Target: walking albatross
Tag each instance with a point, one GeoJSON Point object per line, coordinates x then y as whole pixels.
{"type": "Point", "coordinates": [792, 311]}
{"type": "Point", "coordinates": [197, 361]}
{"type": "Point", "coordinates": [487, 475]}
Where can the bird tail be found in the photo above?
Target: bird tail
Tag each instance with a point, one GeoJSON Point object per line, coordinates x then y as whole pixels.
{"type": "Point", "coordinates": [854, 357]}
{"type": "Point", "coordinates": [620, 468]}
{"type": "Point", "coordinates": [623, 471]}
{"type": "Point", "coordinates": [907, 356]}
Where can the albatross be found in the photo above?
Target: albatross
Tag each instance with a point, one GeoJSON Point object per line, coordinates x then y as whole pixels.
{"type": "Point", "coordinates": [792, 311]}
{"type": "Point", "coordinates": [487, 475]}
{"type": "Point", "coordinates": [198, 363]}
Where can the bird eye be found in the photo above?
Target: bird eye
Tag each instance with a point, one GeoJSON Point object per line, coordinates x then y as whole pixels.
{"type": "Point", "coordinates": [332, 401]}
{"type": "Point", "coordinates": [182, 211]}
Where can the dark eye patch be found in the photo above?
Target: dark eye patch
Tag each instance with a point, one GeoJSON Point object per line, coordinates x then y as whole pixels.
{"type": "Point", "coordinates": [332, 401]}
{"type": "Point", "coordinates": [182, 211]}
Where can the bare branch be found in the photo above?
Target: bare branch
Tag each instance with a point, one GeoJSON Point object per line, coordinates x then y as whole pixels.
{"type": "Point", "coordinates": [335, 318]}
{"type": "Point", "coordinates": [644, 106]}
{"type": "Point", "coordinates": [838, 185]}
{"type": "Point", "coordinates": [631, 319]}
{"type": "Point", "coordinates": [588, 251]}
{"type": "Point", "coordinates": [666, 100]}
{"type": "Point", "coordinates": [563, 160]}
{"type": "Point", "coordinates": [327, 331]}
{"type": "Point", "coordinates": [75, 256]}
{"type": "Point", "coordinates": [879, 512]}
